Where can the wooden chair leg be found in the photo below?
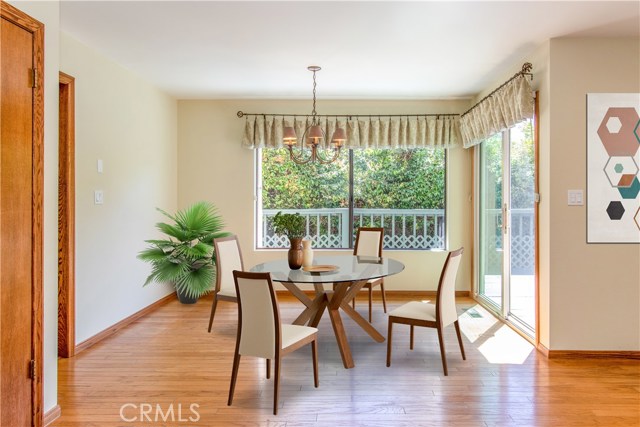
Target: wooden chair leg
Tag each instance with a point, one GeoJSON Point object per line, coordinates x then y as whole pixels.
{"type": "Point", "coordinates": [389, 337]}
{"type": "Point", "coordinates": [314, 356]}
{"type": "Point", "coordinates": [442, 353]}
{"type": "Point", "coordinates": [276, 387]}
{"type": "Point", "coordinates": [457, 325]}
{"type": "Point", "coordinates": [384, 297]}
{"type": "Point", "coordinates": [411, 338]}
{"type": "Point", "coordinates": [268, 368]}
{"type": "Point", "coordinates": [353, 302]}
{"type": "Point", "coordinates": [234, 376]}
{"type": "Point", "coordinates": [370, 301]}
{"type": "Point", "coordinates": [213, 311]}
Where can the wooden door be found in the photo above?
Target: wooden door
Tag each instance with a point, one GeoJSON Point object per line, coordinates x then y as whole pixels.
{"type": "Point", "coordinates": [66, 217]}
{"type": "Point", "coordinates": [20, 222]}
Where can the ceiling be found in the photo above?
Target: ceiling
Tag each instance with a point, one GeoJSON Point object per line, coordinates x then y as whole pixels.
{"type": "Point", "coordinates": [367, 50]}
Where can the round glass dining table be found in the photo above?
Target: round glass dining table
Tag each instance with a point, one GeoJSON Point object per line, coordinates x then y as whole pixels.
{"type": "Point", "coordinates": [347, 274]}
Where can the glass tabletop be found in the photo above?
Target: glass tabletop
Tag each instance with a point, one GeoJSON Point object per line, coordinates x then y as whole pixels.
{"type": "Point", "coordinates": [346, 268]}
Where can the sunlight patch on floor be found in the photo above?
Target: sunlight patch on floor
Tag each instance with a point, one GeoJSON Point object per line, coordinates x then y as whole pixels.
{"type": "Point", "coordinates": [506, 347]}
{"type": "Point", "coordinates": [475, 322]}
{"type": "Point", "coordinates": [497, 342]}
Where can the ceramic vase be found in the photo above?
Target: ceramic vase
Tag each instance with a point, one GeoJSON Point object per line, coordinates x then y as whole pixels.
{"type": "Point", "coordinates": [307, 253]}
{"type": "Point", "coordinates": [294, 256]}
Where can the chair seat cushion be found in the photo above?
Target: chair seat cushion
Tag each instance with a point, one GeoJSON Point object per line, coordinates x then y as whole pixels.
{"type": "Point", "coordinates": [291, 334]}
{"type": "Point", "coordinates": [372, 282]}
{"type": "Point", "coordinates": [416, 310]}
{"type": "Point", "coordinates": [227, 293]}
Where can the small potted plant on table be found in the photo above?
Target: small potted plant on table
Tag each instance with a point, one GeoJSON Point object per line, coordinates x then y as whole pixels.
{"type": "Point", "coordinates": [292, 226]}
{"type": "Point", "coordinates": [185, 258]}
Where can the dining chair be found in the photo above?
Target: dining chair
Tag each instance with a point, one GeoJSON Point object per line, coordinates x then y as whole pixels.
{"type": "Point", "coordinates": [228, 258]}
{"type": "Point", "coordinates": [260, 332]}
{"type": "Point", "coordinates": [369, 243]}
{"type": "Point", "coordinates": [438, 316]}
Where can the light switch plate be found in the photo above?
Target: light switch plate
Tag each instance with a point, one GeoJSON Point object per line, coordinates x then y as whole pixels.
{"type": "Point", "coordinates": [575, 198]}
{"type": "Point", "coordinates": [100, 166]}
{"type": "Point", "coordinates": [98, 197]}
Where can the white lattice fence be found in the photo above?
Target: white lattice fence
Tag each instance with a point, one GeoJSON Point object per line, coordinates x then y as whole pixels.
{"type": "Point", "coordinates": [405, 228]}
{"type": "Point", "coordinates": [329, 228]}
{"type": "Point", "coordinates": [413, 242]}
{"type": "Point", "coordinates": [324, 227]}
{"type": "Point", "coordinates": [522, 242]}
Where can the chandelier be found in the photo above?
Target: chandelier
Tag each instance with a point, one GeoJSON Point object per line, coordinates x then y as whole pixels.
{"type": "Point", "coordinates": [313, 136]}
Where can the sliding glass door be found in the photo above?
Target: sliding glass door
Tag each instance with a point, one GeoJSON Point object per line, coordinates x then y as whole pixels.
{"type": "Point", "coordinates": [506, 225]}
{"type": "Point", "coordinates": [491, 263]}
{"type": "Point", "coordinates": [521, 227]}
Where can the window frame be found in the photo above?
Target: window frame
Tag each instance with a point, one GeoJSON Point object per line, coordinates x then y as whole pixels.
{"type": "Point", "coordinates": [258, 229]}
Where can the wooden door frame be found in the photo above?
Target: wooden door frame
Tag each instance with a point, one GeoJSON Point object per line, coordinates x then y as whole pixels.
{"type": "Point", "coordinates": [536, 210]}
{"type": "Point", "coordinates": [36, 28]}
{"type": "Point", "coordinates": [66, 217]}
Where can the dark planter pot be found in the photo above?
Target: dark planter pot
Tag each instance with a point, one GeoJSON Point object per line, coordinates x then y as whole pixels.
{"type": "Point", "coordinates": [294, 256]}
{"type": "Point", "coordinates": [184, 299]}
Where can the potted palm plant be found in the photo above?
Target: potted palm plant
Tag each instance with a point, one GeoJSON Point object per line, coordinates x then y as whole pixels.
{"type": "Point", "coordinates": [292, 226]}
{"type": "Point", "coordinates": [186, 258]}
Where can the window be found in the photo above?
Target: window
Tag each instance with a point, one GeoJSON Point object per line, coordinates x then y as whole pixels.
{"type": "Point", "coordinates": [400, 190]}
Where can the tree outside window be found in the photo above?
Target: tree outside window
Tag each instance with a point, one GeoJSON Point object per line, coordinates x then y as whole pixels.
{"type": "Point", "coordinates": [400, 190]}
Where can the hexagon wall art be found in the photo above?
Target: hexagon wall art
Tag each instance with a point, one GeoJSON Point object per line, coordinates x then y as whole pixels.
{"type": "Point", "coordinates": [613, 168]}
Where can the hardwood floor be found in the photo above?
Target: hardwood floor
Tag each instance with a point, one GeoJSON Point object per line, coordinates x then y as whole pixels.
{"type": "Point", "coordinates": [167, 362]}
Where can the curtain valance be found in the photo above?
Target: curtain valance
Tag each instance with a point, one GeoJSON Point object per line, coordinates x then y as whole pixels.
{"type": "Point", "coordinates": [384, 132]}
{"type": "Point", "coordinates": [510, 104]}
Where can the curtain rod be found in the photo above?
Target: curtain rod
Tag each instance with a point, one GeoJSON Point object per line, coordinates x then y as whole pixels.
{"type": "Point", "coordinates": [526, 71]}
{"type": "Point", "coordinates": [348, 116]}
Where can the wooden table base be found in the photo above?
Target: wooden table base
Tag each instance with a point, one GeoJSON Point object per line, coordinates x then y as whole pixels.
{"type": "Point", "coordinates": [333, 301]}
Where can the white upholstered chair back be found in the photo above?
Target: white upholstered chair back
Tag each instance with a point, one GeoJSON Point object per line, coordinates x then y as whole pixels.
{"type": "Point", "coordinates": [259, 320]}
{"type": "Point", "coordinates": [228, 258]}
{"type": "Point", "coordinates": [369, 242]}
{"type": "Point", "coordinates": [446, 304]}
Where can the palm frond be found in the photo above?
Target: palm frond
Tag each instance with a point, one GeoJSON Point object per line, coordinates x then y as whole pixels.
{"type": "Point", "coordinates": [160, 242]}
{"type": "Point", "coordinates": [209, 237]}
{"type": "Point", "coordinates": [177, 233]}
{"type": "Point", "coordinates": [196, 282]}
{"type": "Point", "coordinates": [152, 255]}
{"type": "Point", "coordinates": [201, 217]}
{"type": "Point", "coordinates": [167, 214]}
{"type": "Point", "coordinates": [166, 271]}
{"type": "Point", "coordinates": [195, 252]}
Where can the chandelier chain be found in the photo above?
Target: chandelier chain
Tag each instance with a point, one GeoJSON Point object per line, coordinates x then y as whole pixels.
{"type": "Point", "coordinates": [313, 113]}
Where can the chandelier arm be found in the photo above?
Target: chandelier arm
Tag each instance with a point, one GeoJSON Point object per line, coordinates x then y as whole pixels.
{"type": "Point", "coordinates": [325, 161]}
{"type": "Point", "coordinates": [299, 159]}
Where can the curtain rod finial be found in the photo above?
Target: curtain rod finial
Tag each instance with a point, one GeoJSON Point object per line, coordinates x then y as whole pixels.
{"type": "Point", "coordinates": [526, 67]}
{"type": "Point", "coordinates": [240, 114]}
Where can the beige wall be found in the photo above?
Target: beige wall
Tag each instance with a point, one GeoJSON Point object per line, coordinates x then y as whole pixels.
{"type": "Point", "coordinates": [132, 127]}
{"type": "Point", "coordinates": [595, 288]}
{"type": "Point", "coordinates": [213, 166]}
{"type": "Point", "coordinates": [48, 13]}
